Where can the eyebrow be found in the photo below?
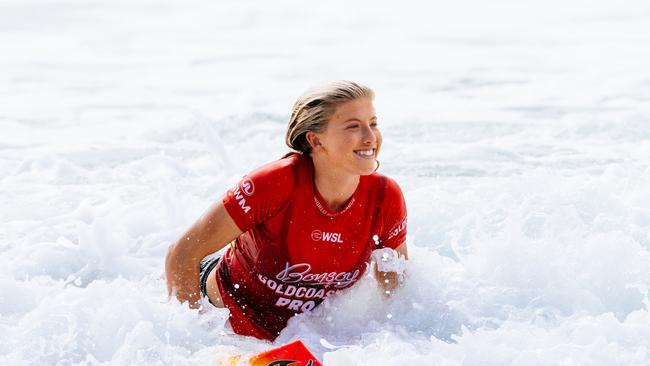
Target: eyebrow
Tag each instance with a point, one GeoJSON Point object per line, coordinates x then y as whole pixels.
{"type": "Point", "coordinates": [357, 120]}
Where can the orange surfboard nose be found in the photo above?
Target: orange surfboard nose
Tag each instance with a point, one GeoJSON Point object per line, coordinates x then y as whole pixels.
{"type": "Point", "coordinates": [290, 354]}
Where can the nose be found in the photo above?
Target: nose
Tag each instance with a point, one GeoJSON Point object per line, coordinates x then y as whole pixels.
{"type": "Point", "coordinates": [369, 137]}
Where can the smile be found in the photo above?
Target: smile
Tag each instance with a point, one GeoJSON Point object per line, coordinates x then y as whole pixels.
{"type": "Point", "coordinates": [366, 154]}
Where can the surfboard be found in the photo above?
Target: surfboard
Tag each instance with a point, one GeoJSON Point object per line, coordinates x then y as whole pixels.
{"type": "Point", "coordinates": [290, 354]}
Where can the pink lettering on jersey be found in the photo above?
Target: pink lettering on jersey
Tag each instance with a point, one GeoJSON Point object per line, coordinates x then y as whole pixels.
{"type": "Point", "coordinates": [241, 200]}
{"type": "Point", "coordinates": [301, 273]}
{"type": "Point", "coordinates": [401, 227]}
{"type": "Point", "coordinates": [318, 235]}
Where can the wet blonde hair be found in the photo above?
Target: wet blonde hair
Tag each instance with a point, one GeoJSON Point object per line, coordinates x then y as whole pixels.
{"type": "Point", "coordinates": [314, 108]}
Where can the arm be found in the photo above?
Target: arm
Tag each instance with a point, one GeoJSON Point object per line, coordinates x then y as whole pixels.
{"type": "Point", "coordinates": [213, 231]}
{"type": "Point", "coordinates": [389, 281]}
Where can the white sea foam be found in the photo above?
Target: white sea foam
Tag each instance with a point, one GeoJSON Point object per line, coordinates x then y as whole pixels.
{"type": "Point", "coordinates": [519, 132]}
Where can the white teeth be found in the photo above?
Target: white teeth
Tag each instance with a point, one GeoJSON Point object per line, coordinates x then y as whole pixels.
{"type": "Point", "coordinates": [365, 152]}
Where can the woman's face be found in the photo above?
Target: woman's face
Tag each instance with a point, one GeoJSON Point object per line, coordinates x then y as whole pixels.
{"type": "Point", "coordinates": [351, 140]}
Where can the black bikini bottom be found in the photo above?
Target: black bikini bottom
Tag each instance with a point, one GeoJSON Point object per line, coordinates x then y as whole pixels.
{"type": "Point", "coordinates": [207, 264]}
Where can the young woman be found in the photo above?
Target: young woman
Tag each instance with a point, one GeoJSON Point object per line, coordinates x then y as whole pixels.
{"type": "Point", "coordinates": [304, 226]}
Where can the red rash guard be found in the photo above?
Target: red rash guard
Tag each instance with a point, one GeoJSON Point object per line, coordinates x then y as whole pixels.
{"type": "Point", "coordinates": [294, 251]}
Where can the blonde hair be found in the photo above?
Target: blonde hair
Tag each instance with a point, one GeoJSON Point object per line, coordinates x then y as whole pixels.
{"type": "Point", "coordinates": [313, 109]}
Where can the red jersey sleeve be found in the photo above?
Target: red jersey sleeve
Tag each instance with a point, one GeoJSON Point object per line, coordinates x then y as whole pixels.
{"type": "Point", "coordinates": [393, 215]}
{"type": "Point", "coordinates": [259, 195]}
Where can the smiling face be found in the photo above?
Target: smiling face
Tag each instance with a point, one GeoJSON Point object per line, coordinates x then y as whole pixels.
{"type": "Point", "coordinates": [351, 141]}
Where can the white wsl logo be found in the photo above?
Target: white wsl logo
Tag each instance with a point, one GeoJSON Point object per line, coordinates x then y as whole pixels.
{"type": "Point", "coordinates": [318, 235]}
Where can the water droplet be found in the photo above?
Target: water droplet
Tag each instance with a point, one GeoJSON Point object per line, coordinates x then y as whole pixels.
{"type": "Point", "coordinates": [375, 238]}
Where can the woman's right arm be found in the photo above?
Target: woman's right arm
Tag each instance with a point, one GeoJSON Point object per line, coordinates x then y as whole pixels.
{"type": "Point", "coordinates": [213, 231]}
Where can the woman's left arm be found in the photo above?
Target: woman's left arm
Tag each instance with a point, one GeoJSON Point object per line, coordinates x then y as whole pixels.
{"type": "Point", "coordinates": [389, 281]}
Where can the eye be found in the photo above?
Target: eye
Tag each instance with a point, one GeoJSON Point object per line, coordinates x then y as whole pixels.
{"type": "Point", "coordinates": [373, 124]}
{"type": "Point", "coordinates": [352, 126]}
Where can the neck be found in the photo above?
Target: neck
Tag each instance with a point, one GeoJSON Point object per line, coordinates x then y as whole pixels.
{"type": "Point", "coordinates": [336, 187]}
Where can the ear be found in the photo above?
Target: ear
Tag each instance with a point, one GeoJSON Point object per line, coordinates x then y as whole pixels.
{"type": "Point", "coordinates": [313, 140]}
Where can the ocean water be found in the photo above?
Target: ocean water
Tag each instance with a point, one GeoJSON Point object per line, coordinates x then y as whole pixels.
{"type": "Point", "coordinates": [519, 132]}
